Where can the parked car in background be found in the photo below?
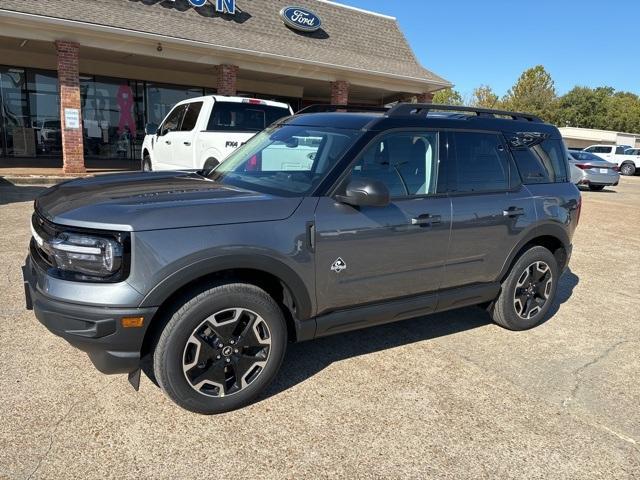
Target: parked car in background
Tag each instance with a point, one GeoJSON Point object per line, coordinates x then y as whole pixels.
{"type": "Point", "coordinates": [589, 170]}
{"type": "Point", "coordinates": [628, 164]}
{"type": "Point", "coordinates": [199, 133]}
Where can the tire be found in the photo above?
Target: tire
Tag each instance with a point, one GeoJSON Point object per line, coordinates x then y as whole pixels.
{"type": "Point", "coordinates": [519, 312]}
{"type": "Point", "coordinates": [210, 164]}
{"type": "Point", "coordinates": [596, 188]}
{"type": "Point", "coordinates": [627, 169]}
{"type": "Point", "coordinates": [146, 164]}
{"type": "Point", "coordinates": [199, 375]}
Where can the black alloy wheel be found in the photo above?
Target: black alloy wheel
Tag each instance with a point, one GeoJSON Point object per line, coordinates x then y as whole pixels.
{"type": "Point", "coordinates": [226, 352]}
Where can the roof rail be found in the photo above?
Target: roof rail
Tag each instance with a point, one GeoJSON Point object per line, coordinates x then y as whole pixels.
{"type": "Point", "coordinates": [319, 108]}
{"type": "Point", "coordinates": [407, 109]}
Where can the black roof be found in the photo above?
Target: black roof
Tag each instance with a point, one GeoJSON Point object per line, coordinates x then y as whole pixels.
{"type": "Point", "coordinates": [418, 115]}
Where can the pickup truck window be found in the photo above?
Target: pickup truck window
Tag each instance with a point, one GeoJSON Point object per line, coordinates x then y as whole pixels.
{"type": "Point", "coordinates": [243, 117]}
{"type": "Point", "coordinates": [172, 123]}
{"type": "Point", "coordinates": [191, 117]}
{"type": "Point", "coordinates": [287, 160]}
{"type": "Point", "coordinates": [619, 150]}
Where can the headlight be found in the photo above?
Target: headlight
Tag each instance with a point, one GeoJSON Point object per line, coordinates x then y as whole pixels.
{"type": "Point", "coordinates": [76, 255]}
{"type": "Point", "coordinates": [86, 254]}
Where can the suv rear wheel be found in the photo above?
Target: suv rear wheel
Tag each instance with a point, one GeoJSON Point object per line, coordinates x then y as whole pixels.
{"type": "Point", "coordinates": [221, 349]}
{"type": "Point", "coordinates": [528, 291]}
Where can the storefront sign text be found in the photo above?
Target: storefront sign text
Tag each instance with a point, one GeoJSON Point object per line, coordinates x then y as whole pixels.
{"type": "Point", "coordinates": [222, 6]}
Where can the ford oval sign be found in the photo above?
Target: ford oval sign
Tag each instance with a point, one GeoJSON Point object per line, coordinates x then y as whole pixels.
{"type": "Point", "coordinates": [301, 19]}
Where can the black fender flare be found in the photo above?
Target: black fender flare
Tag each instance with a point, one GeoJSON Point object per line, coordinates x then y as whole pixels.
{"type": "Point", "coordinates": [291, 280]}
{"type": "Point", "coordinates": [555, 230]}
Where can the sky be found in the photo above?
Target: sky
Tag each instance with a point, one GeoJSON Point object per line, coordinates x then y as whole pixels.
{"type": "Point", "coordinates": [471, 42]}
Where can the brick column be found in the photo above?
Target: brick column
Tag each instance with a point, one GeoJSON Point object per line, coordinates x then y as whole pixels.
{"type": "Point", "coordinates": [227, 79]}
{"type": "Point", "coordinates": [424, 97]}
{"type": "Point", "coordinates": [340, 92]}
{"type": "Point", "coordinates": [69, 80]}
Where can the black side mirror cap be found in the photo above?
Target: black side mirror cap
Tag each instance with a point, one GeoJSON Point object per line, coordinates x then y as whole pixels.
{"type": "Point", "coordinates": [365, 192]}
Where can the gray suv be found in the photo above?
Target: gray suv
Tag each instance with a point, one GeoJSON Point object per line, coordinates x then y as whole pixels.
{"type": "Point", "coordinates": [329, 221]}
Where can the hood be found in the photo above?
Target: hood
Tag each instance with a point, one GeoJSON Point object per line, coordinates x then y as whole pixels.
{"type": "Point", "coordinates": [156, 201]}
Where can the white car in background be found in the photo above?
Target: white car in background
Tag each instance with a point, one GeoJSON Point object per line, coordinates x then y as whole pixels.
{"type": "Point", "coordinates": [627, 164]}
{"type": "Point", "coordinates": [201, 132]}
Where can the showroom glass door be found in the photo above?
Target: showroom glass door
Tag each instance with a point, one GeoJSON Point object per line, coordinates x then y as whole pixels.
{"type": "Point", "coordinates": [18, 137]}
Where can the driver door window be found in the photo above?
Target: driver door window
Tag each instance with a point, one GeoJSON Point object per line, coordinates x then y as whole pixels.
{"type": "Point", "coordinates": [173, 121]}
{"type": "Point", "coordinates": [407, 163]}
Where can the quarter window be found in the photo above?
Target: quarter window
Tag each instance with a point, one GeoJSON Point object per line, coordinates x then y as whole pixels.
{"type": "Point", "coordinates": [407, 163]}
{"type": "Point", "coordinates": [481, 163]}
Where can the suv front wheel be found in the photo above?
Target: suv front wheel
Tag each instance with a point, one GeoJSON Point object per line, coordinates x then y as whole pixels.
{"type": "Point", "coordinates": [528, 291]}
{"type": "Point", "coordinates": [221, 348]}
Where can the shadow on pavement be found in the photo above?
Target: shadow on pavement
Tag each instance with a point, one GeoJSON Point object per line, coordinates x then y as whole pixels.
{"type": "Point", "coordinates": [10, 193]}
{"type": "Point", "coordinates": [304, 360]}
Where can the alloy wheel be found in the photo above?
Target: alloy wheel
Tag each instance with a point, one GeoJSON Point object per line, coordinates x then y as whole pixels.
{"type": "Point", "coordinates": [532, 290]}
{"type": "Point", "coordinates": [226, 352]}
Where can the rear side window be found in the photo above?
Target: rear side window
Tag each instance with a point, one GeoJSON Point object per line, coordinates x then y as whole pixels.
{"type": "Point", "coordinates": [191, 117]}
{"type": "Point", "coordinates": [481, 163]}
{"type": "Point", "coordinates": [600, 149]}
{"type": "Point", "coordinates": [243, 117]}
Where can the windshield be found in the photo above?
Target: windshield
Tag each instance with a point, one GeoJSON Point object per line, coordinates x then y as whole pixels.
{"type": "Point", "coordinates": [287, 160]}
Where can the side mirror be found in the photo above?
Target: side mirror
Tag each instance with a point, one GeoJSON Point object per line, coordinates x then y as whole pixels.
{"type": "Point", "coordinates": [365, 192]}
{"type": "Point", "coordinates": [151, 129]}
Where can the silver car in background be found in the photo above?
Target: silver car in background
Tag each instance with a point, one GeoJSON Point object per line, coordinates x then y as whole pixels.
{"type": "Point", "coordinates": [591, 171]}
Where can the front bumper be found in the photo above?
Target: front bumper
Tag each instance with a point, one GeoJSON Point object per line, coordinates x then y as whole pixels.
{"type": "Point", "coordinates": [96, 330]}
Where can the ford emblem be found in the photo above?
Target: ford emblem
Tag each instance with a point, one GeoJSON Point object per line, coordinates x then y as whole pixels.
{"type": "Point", "coordinates": [301, 19]}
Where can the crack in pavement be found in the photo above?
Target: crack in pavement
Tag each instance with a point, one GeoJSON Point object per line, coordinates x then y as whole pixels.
{"type": "Point", "coordinates": [59, 422]}
{"type": "Point", "coordinates": [578, 371]}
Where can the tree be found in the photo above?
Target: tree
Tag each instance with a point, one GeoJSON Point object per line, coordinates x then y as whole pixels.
{"type": "Point", "coordinates": [484, 97]}
{"type": "Point", "coordinates": [534, 92]}
{"type": "Point", "coordinates": [448, 96]}
{"type": "Point", "coordinates": [584, 107]}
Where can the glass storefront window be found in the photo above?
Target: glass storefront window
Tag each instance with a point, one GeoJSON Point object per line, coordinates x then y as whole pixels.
{"type": "Point", "coordinates": [18, 139]}
{"type": "Point", "coordinates": [110, 113]}
{"type": "Point", "coordinates": [162, 98]}
{"type": "Point", "coordinates": [44, 111]}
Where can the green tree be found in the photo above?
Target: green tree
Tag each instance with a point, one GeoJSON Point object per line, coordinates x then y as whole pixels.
{"type": "Point", "coordinates": [448, 96]}
{"type": "Point", "coordinates": [484, 97]}
{"type": "Point", "coordinates": [535, 93]}
{"type": "Point", "coordinates": [584, 107]}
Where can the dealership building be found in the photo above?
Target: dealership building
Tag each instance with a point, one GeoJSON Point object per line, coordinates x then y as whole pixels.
{"type": "Point", "coordinates": [80, 79]}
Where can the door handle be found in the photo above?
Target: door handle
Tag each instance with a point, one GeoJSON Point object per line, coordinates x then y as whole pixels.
{"type": "Point", "coordinates": [513, 212]}
{"type": "Point", "coordinates": [168, 142]}
{"type": "Point", "coordinates": [426, 220]}
{"type": "Point", "coordinates": [187, 144]}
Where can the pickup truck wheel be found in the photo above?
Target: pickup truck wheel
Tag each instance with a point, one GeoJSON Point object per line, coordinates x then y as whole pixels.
{"type": "Point", "coordinates": [528, 291]}
{"type": "Point", "coordinates": [146, 164]}
{"type": "Point", "coordinates": [627, 169]}
{"type": "Point", "coordinates": [221, 348]}
{"type": "Point", "coordinates": [210, 164]}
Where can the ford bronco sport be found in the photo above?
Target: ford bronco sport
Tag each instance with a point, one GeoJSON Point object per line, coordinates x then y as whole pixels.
{"type": "Point", "coordinates": [202, 278]}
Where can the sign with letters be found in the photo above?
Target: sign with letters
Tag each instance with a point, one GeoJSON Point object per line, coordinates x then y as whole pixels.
{"type": "Point", "coordinates": [301, 19]}
{"type": "Point", "coordinates": [221, 6]}
{"type": "Point", "coordinates": [72, 118]}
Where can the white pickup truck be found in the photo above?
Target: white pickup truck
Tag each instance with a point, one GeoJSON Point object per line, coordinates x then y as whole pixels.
{"type": "Point", "coordinates": [199, 133]}
{"type": "Point", "coordinates": [628, 164]}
